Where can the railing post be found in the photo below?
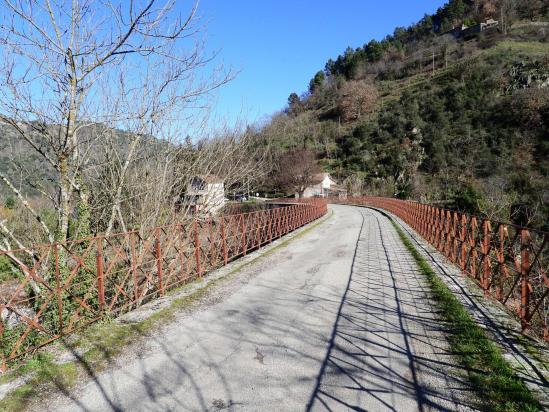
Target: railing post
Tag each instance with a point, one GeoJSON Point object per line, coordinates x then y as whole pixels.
{"type": "Point", "coordinates": [184, 264]}
{"type": "Point", "coordinates": [243, 232]}
{"type": "Point", "coordinates": [254, 228]}
{"type": "Point", "coordinates": [224, 241]}
{"type": "Point", "coordinates": [455, 239]}
{"type": "Point", "coordinates": [432, 226]}
{"type": "Point", "coordinates": [485, 256]}
{"type": "Point", "coordinates": [134, 267]}
{"type": "Point", "coordinates": [280, 224]}
{"type": "Point", "coordinates": [424, 222]}
{"type": "Point", "coordinates": [448, 234]}
{"type": "Point", "coordinates": [462, 238]}
{"type": "Point", "coordinates": [2, 356]}
{"type": "Point", "coordinates": [439, 229]}
{"type": "Point", "coordinates": [213, 249]}
{"type": "Point", "coordinates": [259, 216]}
{"type": "Point", "coordinates": [58, 287]}
{"type": "Point", "coordinates": [289, 219]}
{"type": "Point", "coordinates": [501, 260]}
{"type": "Point", "coordinates": [270, 231]}
{"type": "Point", "coordinates": [473, 246]}
{"type": "Point", "coordinates": [158, 253]}
{"type": "Point", "coordinates": [524, 284]}
{"type": "Point", "coordinates": [100, 279]}
{"type": "Point", "coordinates": [280, 217]}
{"type": "Point", "coordinates": [197, 249]}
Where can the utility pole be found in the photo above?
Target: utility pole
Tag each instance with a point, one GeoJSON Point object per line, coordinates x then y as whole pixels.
{"type": "Point", "coordinates": [503, 28]}
{"type": "Point", "coordinates": [501, 18]}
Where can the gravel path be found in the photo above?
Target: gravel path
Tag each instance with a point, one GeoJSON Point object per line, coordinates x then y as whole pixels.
{"type": "Point", "coordinates": [338, 320]}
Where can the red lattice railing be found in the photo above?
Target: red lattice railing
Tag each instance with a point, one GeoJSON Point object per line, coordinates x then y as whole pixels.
{"type": "Point", "coordinates": [508, 262]}
{"type": "Point", "coordinates": [59, 288]}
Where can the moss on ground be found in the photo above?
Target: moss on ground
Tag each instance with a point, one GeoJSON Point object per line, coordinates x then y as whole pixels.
{"type": "Point", "coordinates": [45, 375]}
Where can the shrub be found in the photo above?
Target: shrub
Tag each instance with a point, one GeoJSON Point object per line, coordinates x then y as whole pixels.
{"type": "Point", "coordinates": [9, 203]}
{"type": "Point", "coordinates": [467, 199]}
{"type": "Point", "coordinates": [6, 269]}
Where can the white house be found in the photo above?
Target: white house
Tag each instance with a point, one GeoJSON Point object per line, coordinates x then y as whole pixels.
{"type": "Point", "coordinates": [205, 194]}
{"type": "Point", "coordinates": [324, 185]}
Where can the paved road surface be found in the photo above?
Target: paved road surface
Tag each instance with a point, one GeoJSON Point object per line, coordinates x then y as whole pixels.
{"type": "Point", "coordinates": [339, 320]}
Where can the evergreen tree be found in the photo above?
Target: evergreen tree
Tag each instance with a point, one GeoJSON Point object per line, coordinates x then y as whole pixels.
{"type": "Point", "coordinates": [317, 81]}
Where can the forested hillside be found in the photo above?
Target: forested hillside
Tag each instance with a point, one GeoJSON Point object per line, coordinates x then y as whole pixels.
{"type": "Point", "coordinates": [444, 112]}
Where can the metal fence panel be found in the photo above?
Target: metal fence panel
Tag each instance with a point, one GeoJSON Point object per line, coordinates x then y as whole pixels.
{"type": "Point", "coordinates": [62, 287]}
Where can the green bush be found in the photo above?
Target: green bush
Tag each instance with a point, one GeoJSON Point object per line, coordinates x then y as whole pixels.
{"type": "Point", "coordinates": [6, 269]}
{"type": "Point", "coordinates": [467, 199]}
{"type": "Point", "coordinates": [10, 203]}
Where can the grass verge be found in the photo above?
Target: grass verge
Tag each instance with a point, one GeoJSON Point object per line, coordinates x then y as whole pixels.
{"type": "Point", "coordinates": [96, 346]}
{"type": "Point", "coordinates": [499, 387]}
{"type": "Point", "coordinates": [42, 369]}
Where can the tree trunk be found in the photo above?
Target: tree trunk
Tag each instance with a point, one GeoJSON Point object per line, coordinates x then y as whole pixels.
{"type": "Point", "coordinates": [69, 157]}
{"type": "Point", "coordinates": [65, 190]}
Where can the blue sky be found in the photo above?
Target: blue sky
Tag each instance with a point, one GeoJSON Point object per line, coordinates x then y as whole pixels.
{"type": "Point", "coordinates": [279, 45]}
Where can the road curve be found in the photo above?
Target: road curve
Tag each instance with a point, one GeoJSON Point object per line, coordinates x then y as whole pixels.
{"type": "Point", "coordinates": [339, 319]}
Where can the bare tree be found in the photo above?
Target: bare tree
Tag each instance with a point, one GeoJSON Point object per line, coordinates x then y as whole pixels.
{"type": "Point", "coordinates": [75, 74]}
{"type": "Point", "coordinates": [499, 199]}
{"type": "Point", "coordinates": [485, 9]}
{"type": "Point", "coordinates": [355, 184]}
{"type": "Point", "coordinates": [157, 177]}
{"type": "Point", "coordinates": [507, 13]}
{"type": "Point", "coordinates": [297, 170]}
{"type": "Point", "coordinates": [357, 98]}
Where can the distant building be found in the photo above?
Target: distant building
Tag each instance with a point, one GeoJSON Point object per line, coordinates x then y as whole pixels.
{"type": "Point", "coordinates": [469, 31]}
{"type": "Point", "coordinates": [456, 31]}
{"type": "Point", "coordinates": [479, 28]}
{"type": "Point", "coordinates": [205, 194]}
{"type": "Point", "coordinates": [324, 186]}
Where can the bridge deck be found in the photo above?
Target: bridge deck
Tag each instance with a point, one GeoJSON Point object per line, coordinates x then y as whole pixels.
{"type": "Point", "coordinates": [338, 320]}
{"type": "Point", "coordinates": [389, 349]}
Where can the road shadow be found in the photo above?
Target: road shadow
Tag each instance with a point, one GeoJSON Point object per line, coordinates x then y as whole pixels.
{"type": "Point", "coordinates": [507, 335]}
{"type": "Point", "coordinates": [263, 349]}
{"type": "Point", "coordinates": [388, 349]}
{"type": "Point", "coordinates": [257, 350]}
{"type": "Point", "coordinates": [109, 381]}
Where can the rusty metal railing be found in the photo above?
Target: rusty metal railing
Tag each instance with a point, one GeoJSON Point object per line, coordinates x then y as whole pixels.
{"type": "Point", "coordinates": [59, 288]}
{"type": "Point", "coordinates": [509, 262]}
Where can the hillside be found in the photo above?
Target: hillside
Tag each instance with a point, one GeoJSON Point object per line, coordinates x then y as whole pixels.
{"type": "Point", "coordinates": [22, 166]}
{"type": "Point", "coordinates": [26, 168]}
{"type": "Point", "coordinates": [431, 115]}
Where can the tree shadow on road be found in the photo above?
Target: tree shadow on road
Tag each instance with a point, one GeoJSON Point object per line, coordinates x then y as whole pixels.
{"type": "Point", "coordinates": [388, 349]}
{"type": "Point", "coordinates": [257, 352]}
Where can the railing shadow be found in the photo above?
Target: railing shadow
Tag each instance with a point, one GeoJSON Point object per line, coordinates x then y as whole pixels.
{"type": "Point", "coordinates": [381, 354]}
{"type": "Point", "coordinates": [110, 381]}
{"type": "Point", "coordinates": [506, 336]}
{"type": "Point", "coordinates": [387, 350]}
{"type": "Point", "coordinates": [189, 365]}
